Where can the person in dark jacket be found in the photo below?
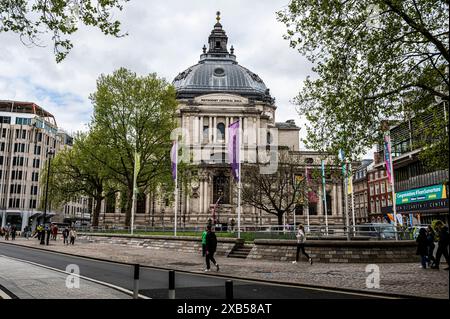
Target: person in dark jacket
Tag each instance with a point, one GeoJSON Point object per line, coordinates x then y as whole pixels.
{"type": "Point", "coordinates": [430, 240]}
{"type": "Point", "coordinates": [211, 246]}
{"type": "Point", "coordinates": [422, 247]}
{"type": "Point", "coordinates": [442, 245]}
{"type": "Point", "coordinates": [65, 234]}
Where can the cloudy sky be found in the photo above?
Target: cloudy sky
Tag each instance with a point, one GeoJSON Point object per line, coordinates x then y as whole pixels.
{"type": "Point", "coordinates": [165, 37]}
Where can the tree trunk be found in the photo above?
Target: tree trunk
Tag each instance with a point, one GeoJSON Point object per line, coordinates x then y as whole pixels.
{"type": "Point", "coordinates": [280, 218]}
{"type": "Point", "coordinates": [98, 207]}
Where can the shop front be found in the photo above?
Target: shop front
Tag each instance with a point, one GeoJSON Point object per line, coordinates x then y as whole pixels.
{"type": "Point", "coordinates": [421, 205]}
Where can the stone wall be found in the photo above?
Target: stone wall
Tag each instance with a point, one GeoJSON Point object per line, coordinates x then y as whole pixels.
{"type": "Point", "coordinates": [187, 244]}
{"type": "Point", "coordinates": [338, 251]}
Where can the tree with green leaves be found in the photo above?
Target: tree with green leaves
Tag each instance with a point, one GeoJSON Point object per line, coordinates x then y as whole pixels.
{"type": "Point", "coordinates": [134, 115]}
{"type": "Point", "coordinates": [60, 18]}
{"type": "Point", "coordinates": [374, 60]}
{"type": "Point", "coordinates": [76, 172]}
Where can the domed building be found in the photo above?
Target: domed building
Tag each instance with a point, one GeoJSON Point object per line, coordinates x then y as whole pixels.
{"type": "Point", "coordinates": [212, 94]}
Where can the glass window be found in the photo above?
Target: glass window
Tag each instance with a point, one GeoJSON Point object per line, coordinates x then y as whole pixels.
{"type": "Point", "coordinates": [220, 132]}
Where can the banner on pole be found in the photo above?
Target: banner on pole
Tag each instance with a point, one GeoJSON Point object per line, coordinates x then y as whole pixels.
{"type": "Point", "coordinates": [233, 149]}
{"type": "Point", "coordinates": [387, 157]}
{"type": "Point", "coordinates": [174, 159]}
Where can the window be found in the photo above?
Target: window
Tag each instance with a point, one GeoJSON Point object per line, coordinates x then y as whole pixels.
{"type": "Point", "coordinates": [37, 150]}
{"type": "Point", "coordinates": [34, 190]}
{"type": "Point", "coordinates": [383, 202]}
{"type": "Point", "coordinates": [2, 146]}
{"type": "Point", "coordinates": [36, 162]}
{"type": "Point", "coordinates": [35, 176]}
{"type": "Point", "coordinates": [38, 137]}
{"type": "Point", "coordinates": [17, 161]}
{"type": "Point", "coordinates": [4, 132]}
{"type": "Point", "coordinates": [32, 203]}
{"type": "Point", "coordinates": [220, 132]}
{"type": "Point", "coordinates": [1, 160]}
{"type": "Point", "coordinates": [383, 190]}
{"type": "Point", "coordinates": [217, 44]}
{"type": "Point", "coordinates": [16, 175]}
{"type": "Point", "coordinates": [5, 119]}
{"type": "Point", "coordinates": [206, 132]}
{"type": "Point", "coordinates": [377, 188]}
{"type": "Point", "coordinates": [23, 121]}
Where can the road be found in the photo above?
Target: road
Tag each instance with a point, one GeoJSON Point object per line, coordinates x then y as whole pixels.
{"type": "Point", "coordinates": [154, 282]}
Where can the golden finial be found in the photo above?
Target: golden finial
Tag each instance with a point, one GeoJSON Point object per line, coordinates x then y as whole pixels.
{"type": "Point", "coordinates": [218, 16]}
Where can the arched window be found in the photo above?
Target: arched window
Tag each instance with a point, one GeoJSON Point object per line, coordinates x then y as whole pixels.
{"type": "Point", "coordinates": [221, 132]}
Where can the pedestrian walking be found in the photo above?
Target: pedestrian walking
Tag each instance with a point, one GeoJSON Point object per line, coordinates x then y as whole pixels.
{"type": "Point", "coordinates": [65, 234]}
{"type": "Point", "coordinates": [430, 239]}
{"type": "Point", "coordinates": [48, 230]}
{"type": "Point", "coordinates": [54, 232]}
{"type": "Point", "coordinates": [73, 236]}
{"type": "Point", "coordinates": [301, 238]}
{"type": "Point", "coordinates": [443, 243]}
{"type": "Point", "coordinates": [205, 232]}
{"type": "Point", "coordinates": [13, 232]}
{"type": "Point", "coordinates": [422, 247]}
{"type": "Point", "coordinates": [7, 232]}
{"type": "Point", "coordinates": [211, 246]}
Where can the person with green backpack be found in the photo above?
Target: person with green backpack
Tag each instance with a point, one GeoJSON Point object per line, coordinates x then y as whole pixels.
{"type": "Point", "coordinates": [204, 242]}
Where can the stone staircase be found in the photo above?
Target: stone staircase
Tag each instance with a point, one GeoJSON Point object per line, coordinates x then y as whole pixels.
{"type": "Point", "coordinates": [240, 251]}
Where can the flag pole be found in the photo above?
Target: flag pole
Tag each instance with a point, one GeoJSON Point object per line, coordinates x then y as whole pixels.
{"type": "Point", "coordinates": [133, 201]}
{"type": "Point", "coordinates": [390, 171]}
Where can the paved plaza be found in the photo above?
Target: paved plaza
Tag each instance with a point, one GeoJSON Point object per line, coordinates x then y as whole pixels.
{"type": "Point", "coordinates": [399, 278]}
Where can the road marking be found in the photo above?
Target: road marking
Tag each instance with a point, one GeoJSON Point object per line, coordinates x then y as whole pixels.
{"type": "Point", "coordinates": [4, 295]}
{"type": "Point", "coordinates": [128, 292]}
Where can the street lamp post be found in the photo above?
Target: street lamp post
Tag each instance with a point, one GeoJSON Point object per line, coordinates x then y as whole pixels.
{"type": "Point", "coordinates": [49, 153]}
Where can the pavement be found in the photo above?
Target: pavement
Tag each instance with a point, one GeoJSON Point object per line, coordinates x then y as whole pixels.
{"type": "Point", "coordinates": [29, 281]}
{"type": "Point", "coordinates": [395, 278]}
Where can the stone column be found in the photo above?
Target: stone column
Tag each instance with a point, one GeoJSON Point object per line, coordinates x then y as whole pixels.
{"type": "Point", "coordinates": [339, 200]}
{"type": "Point", "coordinates": [3, 219]}
{"type": "Point", "coordinates": [24, 221]}
{"type": "Point", "coordinates": [227, 123]}
{"type": "Point", "coordinates": [205, 198]}
{"type": "Point", "coordinates": [215, 129]}
{"type": "Point", "coordinates": [245, 131]}
{"type": "Point", "coordinates": [210, 133]}
{"type": "Point", "coordinates": [334, 201]}
{"type": "Point", "coordinates": [200, 199]}
{"type": "Point", "coordinates": [200, 129]}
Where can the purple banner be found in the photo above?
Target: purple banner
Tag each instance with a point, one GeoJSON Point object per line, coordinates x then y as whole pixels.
{"type": "Point", "coordinates": [174, 159]}
{"type": "Point", "coordinates": [387, 157]}
{"type": "Point", "coordinates": [233, 149]}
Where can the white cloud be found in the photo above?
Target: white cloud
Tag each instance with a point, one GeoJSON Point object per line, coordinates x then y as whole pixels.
{"type": "Point", "coordinates": [165, 37]}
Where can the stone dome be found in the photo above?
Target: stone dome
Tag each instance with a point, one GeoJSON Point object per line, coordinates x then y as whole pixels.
{"type": "Point", "coordinates": [218, 72]}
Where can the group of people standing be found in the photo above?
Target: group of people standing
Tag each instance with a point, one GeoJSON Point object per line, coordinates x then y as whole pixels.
{"type": "Point", "coordinates": [8, 231]}
{"type": "Point", "coordinates": [69, 235]}
{"type": "Point", "coordinates": [426, 244]}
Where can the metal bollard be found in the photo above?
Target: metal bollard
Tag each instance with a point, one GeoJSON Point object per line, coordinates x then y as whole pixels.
{"type": "Point", "coordinates": [229, 289]}
{"type": "Point", "coordinates": [136, 282]}
{"type": "Point", "coordinates": [171, 284]}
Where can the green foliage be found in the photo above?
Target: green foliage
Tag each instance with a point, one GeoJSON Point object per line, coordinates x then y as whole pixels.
{"type": "Point", "coordinates": [75, 172]}
{"type": "Point", "coordinates": [60, 18]}
{"type": "Point", "coordinates": [375, 60]}
{"type": "Point", "coordinates": [134, 114]}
